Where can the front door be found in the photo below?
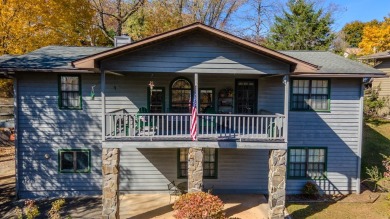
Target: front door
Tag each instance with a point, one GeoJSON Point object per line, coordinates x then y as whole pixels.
{"type": "Point", "coordinates": [246, 96]}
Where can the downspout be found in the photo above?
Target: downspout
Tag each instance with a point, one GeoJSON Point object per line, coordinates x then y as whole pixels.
{"type": "Point", "coordinates": [360, 137]}
{"type": "Point", "coordinates": [16, 132]}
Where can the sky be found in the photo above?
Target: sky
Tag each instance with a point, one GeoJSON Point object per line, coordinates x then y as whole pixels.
{"type": "Point", "coordinates": [345, 11]}
{"type": "Point", "coordinates": [362, 10]}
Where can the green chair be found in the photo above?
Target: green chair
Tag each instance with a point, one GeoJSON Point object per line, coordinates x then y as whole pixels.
{"type": "Point", "coordinates": [210, 122]}
{"type": "Point", "coordinates": [142, 125]}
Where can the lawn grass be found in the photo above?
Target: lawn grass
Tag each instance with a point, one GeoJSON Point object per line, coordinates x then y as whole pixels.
{"type": "Point", "coordinates": [378, 210]}
{"type": "Point", "coordinates": [376, 141]}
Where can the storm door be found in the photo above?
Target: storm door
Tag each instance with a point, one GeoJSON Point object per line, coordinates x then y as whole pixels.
{"type": "Point", "coordinates": [246, 96]}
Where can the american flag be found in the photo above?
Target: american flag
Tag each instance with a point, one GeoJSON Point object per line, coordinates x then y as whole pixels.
{"type": "Point", "coordinates": [194, 119]}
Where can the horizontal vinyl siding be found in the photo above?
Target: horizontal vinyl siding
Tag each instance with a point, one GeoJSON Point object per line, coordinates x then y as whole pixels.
{"type": "Point", "coordinates": [44, 129]}
{"type": "Point", "coordinates": [338, 130]}
{"type": "Point", "coordinates": [271, 94]}
{"type": "Point", "coordinates": [196, 53]}
{"type": "Point", "coordinates": [150, 170]}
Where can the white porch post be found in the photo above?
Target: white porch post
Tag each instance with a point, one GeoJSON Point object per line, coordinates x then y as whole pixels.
{"type": "Point", "coordinates": [103, 97]}
{"type": "Point", "coordinates": [286, 81]}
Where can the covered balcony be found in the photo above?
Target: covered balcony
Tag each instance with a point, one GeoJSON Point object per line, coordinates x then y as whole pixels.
{"type": "Point", "coordinates": [154, 110]}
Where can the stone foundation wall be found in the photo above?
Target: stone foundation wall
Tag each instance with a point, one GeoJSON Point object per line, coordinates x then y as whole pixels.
{"type": "Point", "coordinates": [195, 169]}
{"type": "Point", "coordinates": [110, 169]}
{"type": "Point", "coordinates": [277, 183]}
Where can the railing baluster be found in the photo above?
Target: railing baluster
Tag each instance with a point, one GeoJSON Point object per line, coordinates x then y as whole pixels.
{"type": "Point", "coordinates": [230, 126]}
{"type": "Point", "coordinates": [239, 126]}
{"type": "Point", "coordinates": [176, 121]}
{"type": "Point", "coordinates": [253, 126]}
{"type": "Point", "coordinates": [261, 127]}
{"type": "Point", "coordinates": [234, 126]}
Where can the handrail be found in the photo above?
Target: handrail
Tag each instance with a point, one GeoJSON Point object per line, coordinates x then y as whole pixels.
{"type": "Point", "coordinates": [170, 126]}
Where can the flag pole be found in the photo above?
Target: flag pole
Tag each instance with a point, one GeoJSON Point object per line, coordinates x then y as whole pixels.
{"type": "Point", "coordinates": [197, 105]}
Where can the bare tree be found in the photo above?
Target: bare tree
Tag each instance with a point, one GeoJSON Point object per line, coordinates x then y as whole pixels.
{"type": "Point", "coordinates": [256, 20]}
{"type": "Point", "coordinates": [215, 13]}
{"type": "Point", "coordinates": [112, 14]}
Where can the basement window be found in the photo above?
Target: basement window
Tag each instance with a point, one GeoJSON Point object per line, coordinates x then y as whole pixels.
{"type": "Point", "coordinates": [74, 161]}
{"type": "Point", "coordinates": [210, 163]}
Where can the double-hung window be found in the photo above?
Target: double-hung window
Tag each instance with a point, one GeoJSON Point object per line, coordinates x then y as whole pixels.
{"type": "Point", "coordinates": [74, 160]}
{"type": "Point", "coordinates": [310, 94]}
{"type": "Point", "coordinates": [69, 92]}
{"type": "Point", "coordinates": [307, 162]}
{"type": "Point", "coordinates": [210, 162]}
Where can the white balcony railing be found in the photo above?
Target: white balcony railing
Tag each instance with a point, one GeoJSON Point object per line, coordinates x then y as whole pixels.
{"type": "Point", "coordinates": [171, 126]}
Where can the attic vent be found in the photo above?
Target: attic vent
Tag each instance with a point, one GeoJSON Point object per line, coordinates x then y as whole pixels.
{"type": "Point", "coordinates": [121, 40]}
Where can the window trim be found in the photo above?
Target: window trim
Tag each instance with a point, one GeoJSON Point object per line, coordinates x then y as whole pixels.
{"type": "Point", "coordinates": [170, 90]}
{"type": "Point", "coordinates": [310, 83]}
{"type": "Point", "coordinates": [60, 106]}
{"type": "Point", "coordinates": [204, 177]}
{"type": "Point", "coordinates": [74, 150]}
{"type": "Point", "coordinates": [307, 177]}
{"type": "Point", "coordinates": [148, 98]}
{"type": "Point", "coordinates": [213, 92]}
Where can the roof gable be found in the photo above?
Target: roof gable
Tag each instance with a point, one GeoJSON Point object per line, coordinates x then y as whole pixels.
{"type": "Point", "coordinates": [92, 62]}
{"type": "Point", "coordinates": [196, 52]}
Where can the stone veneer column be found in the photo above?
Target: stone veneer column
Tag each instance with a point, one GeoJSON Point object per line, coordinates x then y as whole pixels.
{"type": "Point", "coordinates": [110, 169]}
{"type": "Point", "coordinates": [195, 169]}
{"type": "Point", "coordinates": [277, 183]}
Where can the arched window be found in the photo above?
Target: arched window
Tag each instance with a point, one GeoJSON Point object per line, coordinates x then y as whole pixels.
{"type": "Point", "coordinates": [181, 90]}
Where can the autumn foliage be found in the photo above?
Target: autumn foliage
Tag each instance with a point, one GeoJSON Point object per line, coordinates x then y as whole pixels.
{"type": "Point", "coordinates": [198, 205]}
{"type": "Point", "coordinates": [376, 37]}
{"type": "Point", "coordinates": [31, 24]}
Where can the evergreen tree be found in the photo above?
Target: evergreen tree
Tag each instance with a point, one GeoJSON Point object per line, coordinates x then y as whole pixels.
{"type": "Point", "coordinates": [302, 27]}
{"type": "Point", "coordinates": [353, 33]}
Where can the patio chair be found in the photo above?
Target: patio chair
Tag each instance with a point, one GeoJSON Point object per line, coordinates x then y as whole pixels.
{"type": "Point", "coordinates": [142, 125]}
{"type": "Point", "coordinates": [210, 122]}
{"type": "Point", "coordinates": [173, 190]}
{"type": "Point", "coordinates": [208, 190]}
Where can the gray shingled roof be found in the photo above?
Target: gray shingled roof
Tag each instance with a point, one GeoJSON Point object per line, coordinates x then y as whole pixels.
{"type": "Point", "coordinates": [379, 55]}
{"type": "Point", "coordinates": [4, 58]}
{"type": "Point", "coordinates": [50, 57]}
{"type": "Point", "coordinates": [60, 57]}
{"type": "Point", "coordinates": [332, 63]}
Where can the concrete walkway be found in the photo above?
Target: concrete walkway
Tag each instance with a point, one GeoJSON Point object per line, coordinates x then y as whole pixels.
{"type": "Point", "coordinates": [157, 206]}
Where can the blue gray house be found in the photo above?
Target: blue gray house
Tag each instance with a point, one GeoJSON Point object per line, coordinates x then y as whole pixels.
{"type": "Point", "coordinates": [93, 120]}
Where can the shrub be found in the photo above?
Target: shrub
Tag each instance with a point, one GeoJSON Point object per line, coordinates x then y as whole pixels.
{"type": "Point", "coordinates": [310, 189]}
{"type": "Point", "coordinates": [56, 206]}
{"type": "Point", "coordinates": [198, 205]}
{"type": "Point", "coordinates": [30, 209]}
{"type": "Point", "coordinates": [373, 103]}
{"type": "Point", "coordinates": [386, 164]}
{"type": "Point", "coordinates": [374, 176]}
